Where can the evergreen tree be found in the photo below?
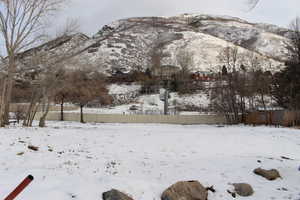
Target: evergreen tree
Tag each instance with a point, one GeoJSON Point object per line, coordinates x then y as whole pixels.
{"type": "Point", "coordinates": [286, 86]}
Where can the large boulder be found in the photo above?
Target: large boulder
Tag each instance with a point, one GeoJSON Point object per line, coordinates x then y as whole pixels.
{"type": "Point", "coordinates": [185, 190]}
{"type": "Point", "coordinates": [115, 195]}
{"type": "Point", "coordinates": [271, 174]}
{"type": "Point", "coordinates": [243, 189]}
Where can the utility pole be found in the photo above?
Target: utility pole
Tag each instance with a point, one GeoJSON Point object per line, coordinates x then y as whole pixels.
{"type": "Point", "coordinates": [166, 102]}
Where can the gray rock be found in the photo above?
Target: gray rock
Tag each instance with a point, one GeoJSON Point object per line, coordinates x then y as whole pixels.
{"type": "Point", "coordinates": [271, 174]}
{"type": "Point", "coordinates": [115, 195]}
{"type": "Point", "coordinates": [243, 189]}
{"type": "Point", "coordinates": [185, 190]}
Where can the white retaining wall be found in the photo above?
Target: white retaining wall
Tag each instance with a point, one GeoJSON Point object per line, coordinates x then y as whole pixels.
{"type": "Point", "coordinates": [117, 118]}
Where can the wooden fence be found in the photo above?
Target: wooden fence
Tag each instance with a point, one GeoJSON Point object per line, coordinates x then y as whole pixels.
{"type": "Point", "coordinates": [280, 117]}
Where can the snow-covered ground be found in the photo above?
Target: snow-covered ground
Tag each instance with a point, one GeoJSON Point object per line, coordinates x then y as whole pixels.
{"type": "Point", "coordinates": [143, 160]}
{"type": "Point", "coordinates": [152, 104]}
{"type": "Point", "coordinates": [115, 89]}
{"type": "Point", "coordinates": [128, 96]}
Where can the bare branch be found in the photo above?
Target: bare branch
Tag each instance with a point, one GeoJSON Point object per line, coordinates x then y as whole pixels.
{"type": "Point", "coordinates": [252, 4]}
{"type": "Point", "coordinates": [294, 48]}
{"type": "Point", "coordinates": [22, 20]}
{"type": "Point", "coordinates": [71, 27]}
{"type": "Point", "coordinates": [21, 25]}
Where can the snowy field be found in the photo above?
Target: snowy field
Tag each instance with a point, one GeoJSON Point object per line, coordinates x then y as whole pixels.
{"type": "Point", "coordinates": [78, 161]}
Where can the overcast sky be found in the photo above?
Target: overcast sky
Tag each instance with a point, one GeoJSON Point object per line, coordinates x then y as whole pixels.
{"type": "Point", "coordinates": [93, 14]}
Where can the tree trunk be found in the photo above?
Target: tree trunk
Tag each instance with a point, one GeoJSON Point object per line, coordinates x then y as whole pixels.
{"type": "Point", "coordinates": [81, 114]}
{"type": "Point", "coordinates": [33, 114]}
{"type": "Point", "coordinates": [62, 110]}
{"type": "Point", "coordinates": [32, 109]}
{"type": "Point", "coordinates": [2, 101]}
{"type": "Point", "coordinates": [263, 101]}
{"type": "Point", "coordinates": [6, 113]}
{"type": "Point", "coordinates": [265, 108]}
{"type": "Point", "coordinates": [8, 99]}
{"type": "Point", "coordinates": [166, 102]}
{"type": "Point", "coordinates": [6, 92]}
{"type": "Point", "coordinates": [42, 122]}
{"type": "Point", "coordinates": [242, 102]}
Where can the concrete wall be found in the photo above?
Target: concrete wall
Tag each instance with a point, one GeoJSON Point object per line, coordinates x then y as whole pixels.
{"type": "Point", "coordinates": [24, 106]}
{"type": "Point", "coordinates": [115, 118]}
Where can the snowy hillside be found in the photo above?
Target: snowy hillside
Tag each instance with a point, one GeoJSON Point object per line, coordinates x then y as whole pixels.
{"type": "Point", "coordinates": [76, 161]}
{"type": "Point", "coordinates": [202, 35]}
{"type": "Point", "coordinates": [264, 39]}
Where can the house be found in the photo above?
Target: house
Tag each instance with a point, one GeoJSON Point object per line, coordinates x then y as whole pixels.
{"type": "Point", "coordinates": [203, 76]}
{"type": "Point", "coordinates": [166, 71]}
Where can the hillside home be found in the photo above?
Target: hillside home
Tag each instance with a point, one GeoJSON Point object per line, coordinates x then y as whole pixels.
{"type": "Point", "coordinates": [203, 76]}
{"type": "Point", "coordinates": [166, 71]}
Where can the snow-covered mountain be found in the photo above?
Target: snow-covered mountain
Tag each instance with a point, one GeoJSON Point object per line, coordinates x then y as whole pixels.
{"type": "Point", "coordinates": [203, 36]}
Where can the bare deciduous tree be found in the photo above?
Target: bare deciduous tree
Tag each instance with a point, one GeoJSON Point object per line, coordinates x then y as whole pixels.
{"type": "Point", "coordinates": [49, 74]}
{"type": "Point", "coordinates": [226, 97]}
{"type": "Point", "coordinates": [244, 85]}
{"type": "Point", "coordinates": [294, 48]}
{"type": "Point", "coordinates": [229, 57]}
{"type": "Point", "coordinates": [185, 59]}
{"type": "Point", "coordinates": [70, 27]}
{"type": "Point", "coordinates": [21, 26]}
{"type": "Point", "coordinates": [44, 87]}
{"type": "Point", "coordinates": [87, 86]}
{"type": "Point", "coordinates": [62, 96]}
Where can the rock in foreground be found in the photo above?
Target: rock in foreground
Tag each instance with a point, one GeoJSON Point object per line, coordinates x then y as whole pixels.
{"type": "Point", "coordinates": [115, 195]}
{"type": "Point", "coordinates": [243, 189]}
{"type": "Point", "coordinates": [271, 174]}
{"type": "Point", "coordinates": [185, 190]}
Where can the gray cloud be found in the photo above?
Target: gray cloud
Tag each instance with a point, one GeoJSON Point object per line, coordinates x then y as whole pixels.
{"type": "Point", "coordinates": [93, 14]}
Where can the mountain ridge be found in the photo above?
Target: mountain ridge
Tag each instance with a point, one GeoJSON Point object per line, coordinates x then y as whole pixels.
{"type": "Point", "coordinates": [202, 35]}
